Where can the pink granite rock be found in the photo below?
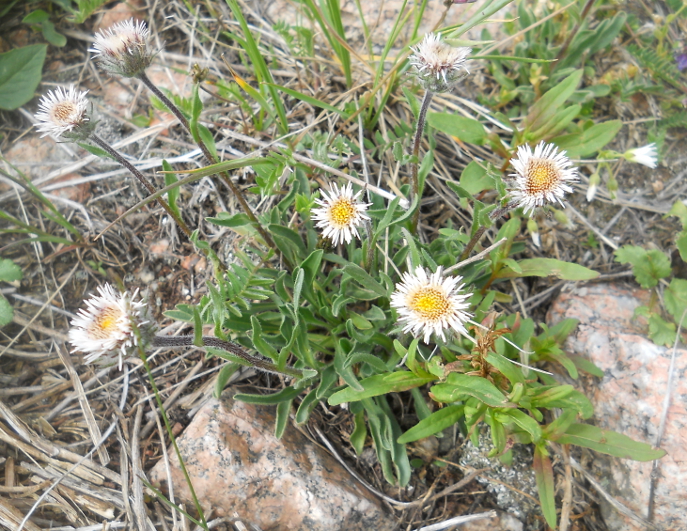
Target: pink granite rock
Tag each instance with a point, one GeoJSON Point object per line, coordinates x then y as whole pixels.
{"type": "Point", "coordinates": [238, 466]}
{"type": "Point", "coordinates": [629, 399]}
{"type": "Point", "coordinates": [501, 522]}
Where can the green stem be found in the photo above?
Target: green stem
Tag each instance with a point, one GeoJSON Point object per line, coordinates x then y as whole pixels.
{"type": "Point", "coordinates": [414, 168]}
{"type": "Point", "coordinates": [233, 348]}
{"type": "Point", "coordinates": [168, 427]}
{"type": "Point", "coordinates": [142, 179]}
{"type": "Point", "coordinates": [211, 160]}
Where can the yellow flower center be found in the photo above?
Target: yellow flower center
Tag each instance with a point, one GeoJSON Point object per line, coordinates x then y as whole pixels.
{"type": "Point", "coordinates": [542, 176]}
{"type": "Point", "coordinates": [342, 212]}
{"type": "Point", "coordinates": [105, 323]}
{"type": "Point", "coordinates": [430, 303]}
{"type": "Point", "coordinates": [63, 112]}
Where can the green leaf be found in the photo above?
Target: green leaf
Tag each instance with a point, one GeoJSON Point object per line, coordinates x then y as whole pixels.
{"type": "Point", "coordinates": [543, 471]}
{"type": "Point", "coordinates": [20, 73]}
{"type": "Point", "coordinates": [648, 267]}
{"type": "Point", "coordinates": [675, 297]}
{"type": "Point", "coordinates": [522, 419]}
{"type": "Point", "coordinates": [549, 267]}
{"type": "Point", "coordinates": [543, 112]}
{"type": "Point", "coordinates": [225, 373]}
{"type": "Point", "coordinates": [609, 442]}
{"type": "Point", "coordinates": [359, 433]}
{"type": "Point", "coordinates": [285, 395]}
{"type": "Point", "coordinates": [36, 17]}
{"type": "Point", "coordinates": [173, 194]}
{"type": "Point", "coordinates": [6, 311]}
{"type": "Point", "coordinates": [95, 150]}
{"type": "Point", "coordinates": [475, 178]}
{"type": "Point", "coordinates": [364, 279]}
{"type": "Point", "coordinates": [585, 365]}
{"type": "Point", "coordinates": [661, 332]}
{"type": "Point", "coordinates": [466, 129]}
{"type": "Point", "coordinates": [309, 99]}
{"type": "Point", "coordinates": [459, 386]}
{"type": "Point", "coordinates": [305, 408]}
{"type": "Point", "coordinates": [679, 210]}
{"type": "Point", "coordinates": [380, 384]}
{"type": "Point", "coordinates": [681, 243]}
{"type": "Point", "coordinates": [588, 142]}
{"type": "Point", "coordinates": [9, 271]}
{"type": "Point", "coordinates": [436, 422]}
{"type": "Point", "coordinates": [53, 37]}
{"type": "Point", "coordinates": [282, 420]}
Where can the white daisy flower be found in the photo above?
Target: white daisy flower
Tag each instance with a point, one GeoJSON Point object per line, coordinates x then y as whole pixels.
{"type": "Point", "coordinates": [62, 111]}
{"type": "Point", "coordinates": [340, 214]}
{"type": "Point", "coordinates": [646, 155]}
{"type": "Point", "coordinates": [438, 65]}
{"type": "Point", "coordinates": [123, 48]}
{"type": "Point", "coordinates": [428, 303]}
{"type": "Point", "coordinates": [541, 177]}
{"type": "Point", "coordinates": [106, 326]}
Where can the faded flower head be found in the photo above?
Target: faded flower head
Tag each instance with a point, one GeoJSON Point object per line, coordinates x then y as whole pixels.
{"type": "Point", "coordinates": [62, 112]}
{"type": "Point", "coordinates": [428, 303]}
{"type": "Point", "coordinates": [340, 213]}
{"type": "Point", "coordinates": [541, 177]}
{"type": "Point", "coordinates": [123, 48]}
{"type": "Point", "coordinates": [646, 155]}
{"type": "Point", "coordinates": [106, 326]}
{"type": "Point", "coordinates": [438, 65]}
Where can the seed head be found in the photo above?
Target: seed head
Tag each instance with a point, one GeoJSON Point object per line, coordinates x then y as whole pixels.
{"type": "Point", "coordinates": [123, 49]}
{"type": "Point", "coordinates": [438, 65]}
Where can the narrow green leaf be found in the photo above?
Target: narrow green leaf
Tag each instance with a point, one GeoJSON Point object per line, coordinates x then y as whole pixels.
{"type": "Point", "coordinates": [364, 279]}
{"type": "Point", "coordinates": [359, 434]}
{"type": "Point", "coordinates": [609, 442]}
{"type": "Point", "coordinates": [544, 110]}
{"type": "Point", "coordinates": [585, 144]}
{"type": "Point", "coordinates": [459, 386]}
{"type": "Point", "coordinates": [306, 406]}
{"type": "Point", "coordinates": [225, 373]}
{"type": "Point", "coordinates": [310, 100]}
{"type": "Point", "coordinates": [282, 420]}
{"type": "Point", "coordinates": [173, 194]}
{"type": "Point", "coordinates": [380, 384]}
{"type": "Point", "coordinates": [285, 395]}
{"type": "Point", "coordinates": [436, 422]}
{"type": "Point", "coordinates": [543, 471]}
{"type": "Point", "coordinates": [549, 267]}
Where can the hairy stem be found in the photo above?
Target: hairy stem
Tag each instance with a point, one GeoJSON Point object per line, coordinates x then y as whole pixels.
{"type": "Point", "coordinates": [415, 166]}
{"type": "Point", "coordinates": [142, 179]}
{"type": "Point", "coordinates": [211, 160]}
{"type": "Point", "coordinates": [233, 348]}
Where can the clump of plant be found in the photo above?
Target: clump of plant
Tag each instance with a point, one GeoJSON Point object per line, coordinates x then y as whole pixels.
{"type": "Point", "coordinates": [333, 289]}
